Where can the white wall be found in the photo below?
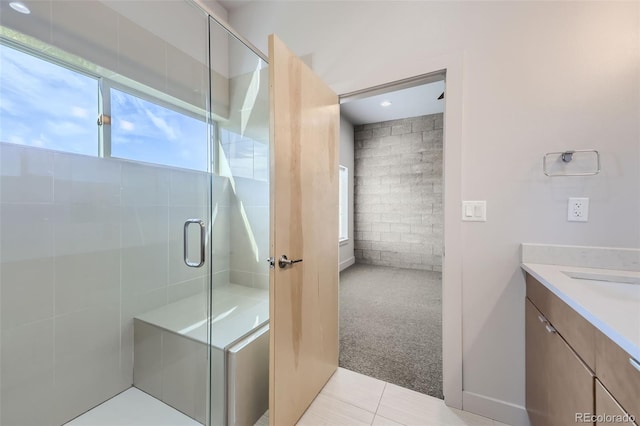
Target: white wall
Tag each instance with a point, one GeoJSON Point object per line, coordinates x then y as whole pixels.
{"type": "Point", "coordinates": [537, 77]}
{"type": "Point", "coordinates": [346, 159]}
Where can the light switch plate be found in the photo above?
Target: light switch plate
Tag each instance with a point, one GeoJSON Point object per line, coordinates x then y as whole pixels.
{"type": "Point", "coordinates": [474, 211]}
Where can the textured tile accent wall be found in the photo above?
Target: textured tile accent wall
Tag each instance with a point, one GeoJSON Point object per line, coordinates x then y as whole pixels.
{"type": "Point", "coordinates": [398, 193]}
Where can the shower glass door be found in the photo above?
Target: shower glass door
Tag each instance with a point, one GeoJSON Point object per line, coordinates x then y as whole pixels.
{"type": "Point", "coordinates": [239, 330]}
{"type": "Point", "coordinates": [106, 189]}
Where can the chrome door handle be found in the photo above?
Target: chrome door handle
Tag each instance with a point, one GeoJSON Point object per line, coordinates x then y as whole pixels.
{"type": "Point", "coordinates": [199, 222]}
{"type": "Point", "coordinates": [635, 364]}
{"type": "Point", "coordinates": [284, 261]}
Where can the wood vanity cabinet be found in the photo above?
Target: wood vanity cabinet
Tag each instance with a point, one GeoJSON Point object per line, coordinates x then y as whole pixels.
{"type": "Point", "coordinates": [616, 372]}
{"type": "Point", "coordinates": [606, 405]}
{"type": "Point", "coordinates": [564, 355]}
{"type": "Point", "coordinates": [559, 384]}
{"type": "Point", "coordinates": [537, 360]}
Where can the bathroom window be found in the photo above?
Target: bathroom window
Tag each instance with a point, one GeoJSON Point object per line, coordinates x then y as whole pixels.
{"type": "Point", "coordinates": [46, 105]}
{"type": "Point", "coordinates": [344, 204]}
{"type": "Point", "coordinates": [143, 130]}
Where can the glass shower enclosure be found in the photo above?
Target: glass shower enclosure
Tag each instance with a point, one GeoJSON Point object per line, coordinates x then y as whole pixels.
{"type": "Point", "coordinates": [134, 194]}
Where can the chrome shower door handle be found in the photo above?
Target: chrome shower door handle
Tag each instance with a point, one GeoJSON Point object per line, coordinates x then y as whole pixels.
{"type": "Point", "coordinates": [189, 222]}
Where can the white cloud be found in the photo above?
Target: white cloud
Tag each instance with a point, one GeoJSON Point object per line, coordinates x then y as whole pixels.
{"type": "Point", "coordinates": [79, 112]}
{"type": "Point", "coordinates": [16, 139]}
{"type": "Point", "coordinates": [6, 104]}
{"type": "Point", "coordinates": [127, 126]}
{"type": "Point", "coordinates": [65, 128]}
{"type": "Point", "coordinates": [38, 142]}
{"type": "Point", "coordinates": [162, 125]}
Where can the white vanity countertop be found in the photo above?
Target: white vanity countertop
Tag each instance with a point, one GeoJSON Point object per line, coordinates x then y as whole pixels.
{"type": "Point", "coordinates": [613, 308]}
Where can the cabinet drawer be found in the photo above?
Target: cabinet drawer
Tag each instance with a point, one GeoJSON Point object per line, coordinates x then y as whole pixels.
{"type": "Point", "coordinates": [576, 330]}
{"type": "Point", "coordinates": [617, 374]}
{"type": "Point", "coordinates": [608, 411]}
{"type": "Point", "coordinates": [539, 296]}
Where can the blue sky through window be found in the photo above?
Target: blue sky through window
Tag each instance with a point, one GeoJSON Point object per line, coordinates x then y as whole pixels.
{"type": "Point", "coordinates": [144, 131]}
{"type": "Point", "coordinates": [46, 105]}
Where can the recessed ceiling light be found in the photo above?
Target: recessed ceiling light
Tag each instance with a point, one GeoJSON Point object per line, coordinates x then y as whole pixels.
{"type": "Point", "coordinates": [385, 103]}
{"type": "Point", "coordinates": [19, 7]}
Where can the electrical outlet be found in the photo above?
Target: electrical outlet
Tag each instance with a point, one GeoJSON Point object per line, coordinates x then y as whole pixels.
{"type": "Point", "coordinates": [578, 210]}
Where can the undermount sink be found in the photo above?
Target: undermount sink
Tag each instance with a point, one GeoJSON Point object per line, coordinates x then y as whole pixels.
{"type": "Point", "coordinates": [624, 279]}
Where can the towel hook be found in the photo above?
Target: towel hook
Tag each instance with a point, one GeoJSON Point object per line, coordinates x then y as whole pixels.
{"type": "Point", "coordinates": [567, 156]}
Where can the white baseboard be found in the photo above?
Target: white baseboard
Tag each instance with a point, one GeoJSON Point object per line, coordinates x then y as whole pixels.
{"type": "Point", "coordinates": [346, 263]}
{"type": "Point", "coordinates": [495, 409]}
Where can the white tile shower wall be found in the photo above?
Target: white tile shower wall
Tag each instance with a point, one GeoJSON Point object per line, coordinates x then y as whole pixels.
{"type": "Point", "coordinates": [250, 233]}
{"type": "Point", "coordinates": [85, 245]}
{"type": "Point", "coordinates": [170, 368]}
{"type": "Point", "coordinates": [398, 193]}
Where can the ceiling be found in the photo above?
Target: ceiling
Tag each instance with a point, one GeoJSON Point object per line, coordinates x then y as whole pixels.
{"type": "Point", "coordinates": [405, 103]}
{"type": "Point", "coordinates": [409, 102]}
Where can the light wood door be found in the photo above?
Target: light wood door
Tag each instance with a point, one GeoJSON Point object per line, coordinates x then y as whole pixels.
{"type": "Point", "coordinates": [305, 121]}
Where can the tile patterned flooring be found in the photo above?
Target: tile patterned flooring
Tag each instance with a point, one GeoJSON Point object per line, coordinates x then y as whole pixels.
{"type": "Point", "coordinates": [351, 399]}
{"type": "Point", "coordinates": [133, 408]}
{"type": "Point", "coordinates": [348, 399]}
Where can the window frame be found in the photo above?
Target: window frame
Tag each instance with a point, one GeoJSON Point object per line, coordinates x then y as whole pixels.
{"type": "Point", "coordinates": [343, 204]}
{"type": "Point", "coordinates": [54, 60]}
{"type": "Point", "coordinates": [105, 92]}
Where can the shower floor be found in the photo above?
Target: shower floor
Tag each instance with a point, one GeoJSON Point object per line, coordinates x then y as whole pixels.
{"type": "Point", "coordinates": [133, 407]}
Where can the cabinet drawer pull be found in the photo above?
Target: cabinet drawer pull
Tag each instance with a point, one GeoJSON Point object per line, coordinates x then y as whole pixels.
{"type": "Point", "coordinates": [550, 329]}
{"type": "Point", "coordinates": [635, 364]}
{"type": "Point", "coordinates": [542, 319]}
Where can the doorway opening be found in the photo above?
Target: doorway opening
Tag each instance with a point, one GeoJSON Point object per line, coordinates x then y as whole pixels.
{"type": "Point", "coordinates": [391, 257]}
